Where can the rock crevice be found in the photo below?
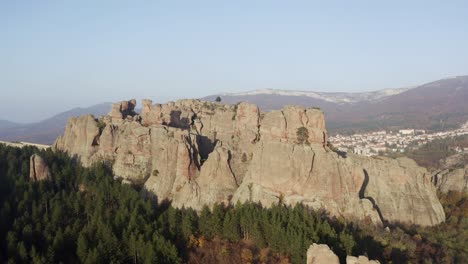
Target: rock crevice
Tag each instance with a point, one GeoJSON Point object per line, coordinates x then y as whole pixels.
{"type": "Point", "coordinates": [362, 195]}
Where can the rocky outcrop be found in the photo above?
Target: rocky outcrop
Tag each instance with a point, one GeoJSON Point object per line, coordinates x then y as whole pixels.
{"type": "Point", "coordinates": [453, 174]}
{"type": "Point", "coordinates": [38, 169]}
{"type": "Point", "coordinates": [322, 254]}
{"type": "Point", "coordinates": [196, 153]}
{"type": "Point", "coordinates": [451, 180]}
{"type": "Point", "coordinates": [123, 109]}
{"type": "Point", "coordinates": [381, 189]}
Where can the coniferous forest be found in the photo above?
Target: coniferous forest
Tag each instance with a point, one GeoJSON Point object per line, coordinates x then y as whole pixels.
{"type": "Point", "coordinates": [83, 215]}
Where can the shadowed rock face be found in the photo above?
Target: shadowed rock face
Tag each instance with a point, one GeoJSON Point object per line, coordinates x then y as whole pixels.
{"type": "Point", "coordinates": [38, 169]}
{"type": "Point", "coordinates": [197, 153]}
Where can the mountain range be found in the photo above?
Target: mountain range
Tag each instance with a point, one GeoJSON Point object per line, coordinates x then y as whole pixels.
{"type": "Point", "coordinates": [339, 98]}
{"type": "Point", "coordinates": [433, 106]}
{"type": "Point", "coordinates": [437, 105]}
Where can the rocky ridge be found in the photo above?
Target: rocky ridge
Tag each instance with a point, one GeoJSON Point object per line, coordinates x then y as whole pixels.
{"type": "Point", "coordinates": [196, 153]}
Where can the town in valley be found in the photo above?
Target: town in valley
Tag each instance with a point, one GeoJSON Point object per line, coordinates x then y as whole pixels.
{"type": "Point", "coordinates": [382, 142]}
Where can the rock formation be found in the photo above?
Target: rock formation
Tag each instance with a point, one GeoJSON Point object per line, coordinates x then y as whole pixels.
{"type": "Point", "coordinates": [123, 109]}
{"type": "Point", "coordinates": [38, 169]}
{"type": "Point", "coordinates": [453, 175]}
{"type": "Point", "coordinates": [196, 153]}
{"type": "Point", "coordinates": [452, 180]}
{"type": "Point", "coordinates": [322, 254]}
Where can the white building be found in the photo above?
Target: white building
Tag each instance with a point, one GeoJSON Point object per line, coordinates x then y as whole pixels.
{"type": "Point", "coordinates": [406, 131]}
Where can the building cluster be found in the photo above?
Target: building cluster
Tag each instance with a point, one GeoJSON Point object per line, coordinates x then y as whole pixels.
{"type": "Point", "coordinates": [381, 142]}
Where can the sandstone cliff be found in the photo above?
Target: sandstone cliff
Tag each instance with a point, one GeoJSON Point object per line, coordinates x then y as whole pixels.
{"type": "Point", "coordinates": [196, 153]}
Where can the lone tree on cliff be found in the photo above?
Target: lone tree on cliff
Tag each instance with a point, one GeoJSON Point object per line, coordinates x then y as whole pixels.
{"type": "Point", "coordinates": [218, 99]}
{"type": "Point", "coordinates": [302, 135]}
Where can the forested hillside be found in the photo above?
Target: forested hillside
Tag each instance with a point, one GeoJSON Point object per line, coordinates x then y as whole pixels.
{"type": "Point", "coordinates": [85, 216]}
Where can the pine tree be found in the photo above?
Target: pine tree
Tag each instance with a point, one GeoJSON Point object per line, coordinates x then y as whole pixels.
{"type": "Point", "coordinates": [231, 227]}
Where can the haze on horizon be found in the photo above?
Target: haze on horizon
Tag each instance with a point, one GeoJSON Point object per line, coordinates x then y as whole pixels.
{"type": "Point", "coordinates": [57, 55]}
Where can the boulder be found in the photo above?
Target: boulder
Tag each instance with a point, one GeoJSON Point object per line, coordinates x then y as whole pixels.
{"type": "Point", "coordinates": [321, 254]}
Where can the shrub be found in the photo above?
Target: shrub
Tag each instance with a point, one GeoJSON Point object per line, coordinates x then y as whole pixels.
{"type": "Point", "coordinates": [244, 157]}
{"type": "Point", "coordinates": [302, 135]}
{"type": "Point", "coordinates": [101, 125]}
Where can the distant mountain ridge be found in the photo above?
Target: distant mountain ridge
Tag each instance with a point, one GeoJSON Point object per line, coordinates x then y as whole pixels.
{"type": "Point", "coordinates": [435, 106]}
{"type": "Point", "coordinates": [46, 131]}
{"type": "Point", "coordinates": [335, 97]}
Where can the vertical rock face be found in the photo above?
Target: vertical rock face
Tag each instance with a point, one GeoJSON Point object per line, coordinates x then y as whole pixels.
{"type": "Point", "coordinates": [196, 153]}
{"type": "Point", "coordinates": [38, 169]}
{"type": "Point", "coordinates": [81, 138]}
{"type": "Point", "coordinates": [282, 125]}
{"type": "Point", "coordinates": [123, 109]}
{"type": "Point", "coordinates": [453, 174]}
{"type": "Point", "coordinates": [452, 180]}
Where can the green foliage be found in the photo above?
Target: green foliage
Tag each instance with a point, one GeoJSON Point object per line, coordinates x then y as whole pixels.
{"type": "Point", "coordinates": [453, 234]}
{"type": "Point", "coordinates": [53, 222]}
{"type": "Point", "coordinates": [218, 99]}
{"type": "Point", "coordinates": [302, 134]}
{"type": "Point", "coordinates": [101, 124]}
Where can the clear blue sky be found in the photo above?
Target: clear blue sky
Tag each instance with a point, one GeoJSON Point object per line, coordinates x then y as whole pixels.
{"type": "Point", "coordinates": [55, 55]}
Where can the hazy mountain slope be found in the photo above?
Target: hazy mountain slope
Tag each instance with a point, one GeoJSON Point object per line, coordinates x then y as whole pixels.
{"type": "Point", "coordinates": [437, 105]}
{"type": "Point", "coordinates": [269, 102]}
{"type": "Point", "coordinates": [270, 99]}
{"type": "Point", "coordinates": [4, 124]}
{"type": "Point", "coordinates": [46, 131]}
